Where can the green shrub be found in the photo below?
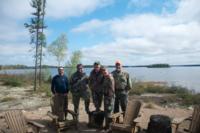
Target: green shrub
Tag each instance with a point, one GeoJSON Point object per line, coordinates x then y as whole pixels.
{"type": "Point", "coordinates": [45, 88]}
{"type": "Point", "coordinates": [187, 97]}
{"type": "Point", "coordinates": [7, 99]}
{"type": "Point", "coordinates": [13, 82]}
{"type": "Point", "coordinates": [147, 87]}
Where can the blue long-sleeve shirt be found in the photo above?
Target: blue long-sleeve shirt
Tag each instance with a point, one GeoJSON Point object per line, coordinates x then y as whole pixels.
{"type": "Point", "coordinates": [59, 84]}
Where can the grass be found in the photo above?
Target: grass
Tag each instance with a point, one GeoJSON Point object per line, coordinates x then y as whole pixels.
{"type": "Point", "coordinates": [187, 97]}
{"type": "Point", "coordinates": [26, 79]}
{"type": "Point", "coordinates": [150, 106]}
{"type": "Point", "coordinates": [45, 88]}
{"type": "Point", "coordinates": [13, 82]}
{"type": "Point", "coordinates": [7, 99]}
{"type": "Point", "coordinates": [17, 80]}
{"type": "Point", "coordinates": [151, 87]}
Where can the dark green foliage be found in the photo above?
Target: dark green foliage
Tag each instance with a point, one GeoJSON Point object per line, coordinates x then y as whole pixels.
{"type": "Point", "coordinates": [18, 66]}
{"type": "Point", "coordinates": [158, 66]}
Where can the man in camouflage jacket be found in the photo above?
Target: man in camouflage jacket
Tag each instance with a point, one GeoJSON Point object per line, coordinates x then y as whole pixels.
{"type": "Point", "coordinates": [109, 96]}
{"type": "Point", "coordinates": [122, 86]}
{"type": "Point", "coordinates": [95, 84]}
{"type": "Point", "coordinates": [80, 89]}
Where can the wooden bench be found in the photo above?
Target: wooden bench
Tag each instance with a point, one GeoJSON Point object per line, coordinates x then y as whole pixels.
{"type": "Point", "coordinates": [17, 123]}
{"type": "Point", "coordinates": [58, 113]}
{"type": "Point", "coordinates": [195, 121]}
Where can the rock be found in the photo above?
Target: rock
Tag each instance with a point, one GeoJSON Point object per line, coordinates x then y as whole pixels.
{"type": "Point", "coordinates": [43, 94]}
{"type": "Point", "coordinates": [190, 108]}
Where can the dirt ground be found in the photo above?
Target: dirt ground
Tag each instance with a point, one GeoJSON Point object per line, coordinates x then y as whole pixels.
{"type": "Point", "coordinates": [36, 106]}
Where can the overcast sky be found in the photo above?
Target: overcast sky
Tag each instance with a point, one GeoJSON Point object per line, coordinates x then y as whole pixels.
{"type": "Point", "coordinates": [137, 32]}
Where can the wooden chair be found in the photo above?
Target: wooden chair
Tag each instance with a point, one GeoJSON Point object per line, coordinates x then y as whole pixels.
{"type": "Point", "coordinates": [57, 115]}
{"type": "Point", "coordinates": [195, 121]}
{"type": "Point", "coordinates": [18, 124]}
{"type": "Point", "coordinates": [128, 125]}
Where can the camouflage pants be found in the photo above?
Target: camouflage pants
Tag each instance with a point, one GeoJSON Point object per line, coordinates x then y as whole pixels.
{"type": "Point", "coordinates": [85, 95]}
{"type": "Point", "coordinates": [59, 105]}
{"type": "Point", "coordinates": [108, 109]}
{"type": "Point", "coordinates": [121, 99]}
{"type": "Point", "coordinates": [97, 97]}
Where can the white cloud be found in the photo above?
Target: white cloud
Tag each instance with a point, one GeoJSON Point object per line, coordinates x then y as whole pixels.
{"type": "Point", "coordinates": [188, 10]}
{"type": "Point", "coordinates": [15, 9]}
{"type": "Point", "coordinates": [148, 38]}
{"type": "Point", "coordinates": [15, 12]}
{"type": "Point", "coordinates": [140, 51]}
{"type": "Point", "coordinates": [20, 9]}
{"type": "Point", "coordinates": [92, 25]}
{"type": "Point", "coordinates": [16, 53]}
{"type": "Point", "coordinates": [12, 32]}
{"type": "Point", "coordinates": [14, 49]}
{"type": "Point", "coordinates": [69, 8]}
{"type": "Point", "coordinates": [137, 38]}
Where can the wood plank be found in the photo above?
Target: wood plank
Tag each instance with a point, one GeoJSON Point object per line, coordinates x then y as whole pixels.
{"type": "Point", "coordinates": [194, 126]}
{"type": "Point", "coordinates": [19, 119]}
{"type": "Point", "coordinates": [10, 121]}
{"type": "Point", "coordinates": [15, 121]}
{"type": "Point", "coordinates": [132, 111]}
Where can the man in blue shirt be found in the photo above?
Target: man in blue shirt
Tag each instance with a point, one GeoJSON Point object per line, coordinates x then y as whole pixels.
{"type": "Point", "coordinates": [60, 89]}
{"type": "Point", "coordinates": [59, 84]}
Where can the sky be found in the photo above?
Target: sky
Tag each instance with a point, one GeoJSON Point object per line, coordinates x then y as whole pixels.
{"type": "Point", "coordinates": [136, 32]}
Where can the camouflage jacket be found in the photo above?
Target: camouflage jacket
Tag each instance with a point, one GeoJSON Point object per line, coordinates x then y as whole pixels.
{"type": "Point", "coordinates": [79, 82]}
{"type": "Point", "coordinates": [95, 81]}
{"type": "Point", "coordinates": [122, 80]}
{"type": "Point", "coordinates": [108, 86]}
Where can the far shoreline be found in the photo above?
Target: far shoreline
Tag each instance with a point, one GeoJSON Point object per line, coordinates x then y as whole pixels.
{"type": "Point", "coordinates": [10, 67]}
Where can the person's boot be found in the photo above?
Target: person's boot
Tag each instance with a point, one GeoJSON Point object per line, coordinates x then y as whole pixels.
{"type": "Point", "coordinates": [108, 125]}
{"type": "Point", "coordinates": [87, 103]}
{"type": "Point", "coordinates": [77, 113]}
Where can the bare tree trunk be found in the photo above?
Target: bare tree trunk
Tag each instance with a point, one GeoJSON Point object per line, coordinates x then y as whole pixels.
{"type": "Point", "coordinates": [36, 62]}
{"type": "Point", "coordinates": [37, 46]}
{"type": "Point", "coordinates": [41, 45]}
{"type": "Point", "coordinates": [40, 72]}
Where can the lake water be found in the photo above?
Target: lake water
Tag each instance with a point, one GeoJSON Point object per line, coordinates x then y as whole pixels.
{"type": "Point", "coordinates": [183, 76]}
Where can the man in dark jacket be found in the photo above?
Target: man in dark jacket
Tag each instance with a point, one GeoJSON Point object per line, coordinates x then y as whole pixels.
{"type": "Point", "coordinates": [60, 89]}
{"type": "Point", "coordinates": [95, 84]}
{"type": "Point", "coordinates": [80, 89]}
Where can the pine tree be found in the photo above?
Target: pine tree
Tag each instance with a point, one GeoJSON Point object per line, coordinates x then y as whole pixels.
{"type": "Point", "coordinates": [36, 27]}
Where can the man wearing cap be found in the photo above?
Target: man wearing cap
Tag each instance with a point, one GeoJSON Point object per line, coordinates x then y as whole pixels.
{"type": "Point", "coordinates": [122, 86]}
{"type": "Point", "coordinates": [109, 96]}
{"type": "Point", "coordinates": [80, 88]}
{"type": "Point", "coordinates": [60, 88]}
{"type": "Point", "coordinates": [95, 84]}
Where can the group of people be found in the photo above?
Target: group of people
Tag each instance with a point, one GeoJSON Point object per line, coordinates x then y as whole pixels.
{"type": "Point", "coordinates": [110, 88]}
